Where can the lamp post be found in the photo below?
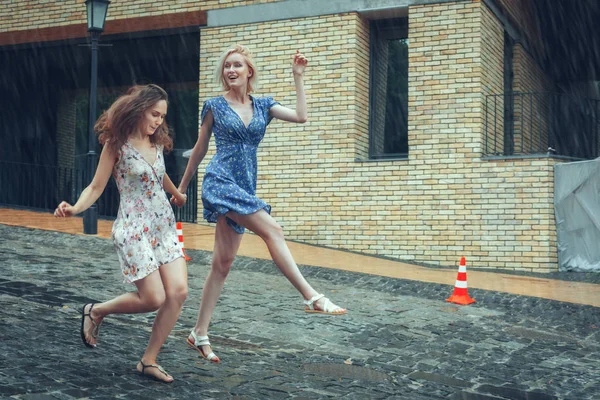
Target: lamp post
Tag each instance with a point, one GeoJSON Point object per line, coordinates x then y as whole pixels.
{"type": "Point", "coordinates": [96, 15]}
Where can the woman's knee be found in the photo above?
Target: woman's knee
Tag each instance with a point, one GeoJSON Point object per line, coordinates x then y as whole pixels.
{"type": "Point", "coordinates": [178, 293]}
{"type": "Point", "coordinates": [222, 265]}
{"type": "Point", "coordinates": [272, 232]}
{"type": "Point", "coordinates": [155, 299]}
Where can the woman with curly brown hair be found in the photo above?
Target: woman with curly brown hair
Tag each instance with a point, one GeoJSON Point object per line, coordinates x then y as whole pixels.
{"type": "Point", "coordinates": [134, 135]}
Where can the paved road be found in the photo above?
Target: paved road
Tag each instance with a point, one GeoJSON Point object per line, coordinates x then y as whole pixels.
{"type": "Point", "coordinates": [400, 339]}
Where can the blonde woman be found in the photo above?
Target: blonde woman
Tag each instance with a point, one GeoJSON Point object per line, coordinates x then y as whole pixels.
{"type": "Point", "coordinates": [238, 121]}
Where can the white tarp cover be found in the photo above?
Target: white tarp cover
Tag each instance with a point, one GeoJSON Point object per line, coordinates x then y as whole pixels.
{"type": "Point", "coordinates": [577, 210]}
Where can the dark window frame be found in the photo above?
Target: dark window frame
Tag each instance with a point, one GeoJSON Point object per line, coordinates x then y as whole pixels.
{"type": "Point", "coordinates": [386, 29]}
{"type": "Point", "coordinates": [509, 105]}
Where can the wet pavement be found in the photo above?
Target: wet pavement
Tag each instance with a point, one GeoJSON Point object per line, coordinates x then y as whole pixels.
{"type": "Point", "coordinates": [400, 339]}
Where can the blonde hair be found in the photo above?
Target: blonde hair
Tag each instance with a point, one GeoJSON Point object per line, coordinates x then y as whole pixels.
{"type": "Point", "coordinates": [244, 52]}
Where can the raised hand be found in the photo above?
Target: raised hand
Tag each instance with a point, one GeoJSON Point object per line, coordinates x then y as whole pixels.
{"type": "Point", "coordinates": [299, 63]}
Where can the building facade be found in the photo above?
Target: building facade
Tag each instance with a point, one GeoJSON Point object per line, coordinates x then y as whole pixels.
{"type": "Point", "coordinates": [427, 137]}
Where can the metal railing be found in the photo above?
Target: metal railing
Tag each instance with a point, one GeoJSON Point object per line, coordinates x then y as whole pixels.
{"type": "Point", "coordinates": [42, 187]}
{"type": "Point", "coordinates": [541, 123]}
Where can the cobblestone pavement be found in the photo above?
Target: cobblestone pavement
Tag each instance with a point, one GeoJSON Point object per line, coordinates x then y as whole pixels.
{"type": "Point", "coordinates": [399, 340]}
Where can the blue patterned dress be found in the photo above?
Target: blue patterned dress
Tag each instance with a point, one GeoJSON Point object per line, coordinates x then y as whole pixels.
{"type": "Point", "coordinates": [230, 179]}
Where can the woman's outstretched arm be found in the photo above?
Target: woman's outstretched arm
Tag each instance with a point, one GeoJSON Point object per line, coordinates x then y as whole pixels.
{"type": "Point", "coordinates": [93, 191]}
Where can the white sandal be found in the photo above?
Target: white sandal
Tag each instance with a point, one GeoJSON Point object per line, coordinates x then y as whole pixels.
{"type": "Point", "coordinates": [328, 306]}
{"type": "Point", "coordinates": [202, 341]}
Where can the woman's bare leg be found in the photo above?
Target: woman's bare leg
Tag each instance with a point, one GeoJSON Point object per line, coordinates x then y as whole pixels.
{"type": "Point", "coordinates": [269, 230]}
{"type": "Point", "coordinates": [227, 243]}
{"type": "Point", "coordinates": [173, 280]}
{"type": "Point", "coordinates": [149, 297]}
{"type": "Point", "coordinates": [165, 290]}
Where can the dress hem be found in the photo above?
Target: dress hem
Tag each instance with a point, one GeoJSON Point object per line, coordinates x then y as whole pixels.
{"type": "Point", "coordinates": [216, 214]}
{"type": "Point", "coordinates": [137, 278]}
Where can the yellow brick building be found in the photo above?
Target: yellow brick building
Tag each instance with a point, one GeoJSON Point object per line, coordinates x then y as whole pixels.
{"type": "Point", "coordinates": [430, 181]}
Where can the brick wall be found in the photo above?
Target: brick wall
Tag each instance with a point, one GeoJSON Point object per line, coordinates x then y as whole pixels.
{"type": "Point", "coordinates": [531, 84]}
{"type": "Point", "coordinates": [25, 14]}
{"type": "Point", "coordinates": [441, 203]}
{"type": "Point", "coordinates": [445, 133]}
{"type": "Point", "coordinates": [307, 171]}
{"type": "Point", "coordinates": [444, 201]}
{"type": "Point", "coordinates": [534, 89]}
{"type": "Point", "coordinates": [360, 134]}
{"type": "Point", "coordinates": [492, 59]}
{"type": "Point", "coordinates": [521, 13]}
{"type": "Point", "coordinates": [521, 191]}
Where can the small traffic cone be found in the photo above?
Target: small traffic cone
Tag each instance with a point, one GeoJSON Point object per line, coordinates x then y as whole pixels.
{"type": "Point", "coordinates": [180, 237]}
{"type": "Point", "coordinates": [461, 294]}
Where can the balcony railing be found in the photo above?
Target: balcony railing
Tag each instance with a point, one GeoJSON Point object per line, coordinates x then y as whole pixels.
{"type": "Point", "coordinates": [42, 187]}
{"type": "Point", "coordinates": [541, 123]}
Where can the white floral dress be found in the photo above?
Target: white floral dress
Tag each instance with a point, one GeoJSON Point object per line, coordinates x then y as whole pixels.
{"type": "Point", "coordinates": [144, 232]}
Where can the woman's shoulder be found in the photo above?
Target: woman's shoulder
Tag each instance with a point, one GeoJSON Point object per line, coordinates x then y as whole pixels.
{"type": "Point", "coordinates": [265, 101]}
{"type": "Point", "coordinates": [262, 98]}
{"type": "Point", "coordinates": [212, 100]}
{"type": "Point", "coordinates": [112, 145]}
{"type": "Point", "coordinates": [212, 103]}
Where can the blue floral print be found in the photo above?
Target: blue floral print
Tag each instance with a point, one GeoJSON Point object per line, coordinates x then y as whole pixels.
{"type": "Point", "coordinates": [230, 179]}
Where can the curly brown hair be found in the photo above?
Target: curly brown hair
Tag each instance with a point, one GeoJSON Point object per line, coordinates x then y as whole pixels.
{"type": "Point", "coordinates": [122, 118]}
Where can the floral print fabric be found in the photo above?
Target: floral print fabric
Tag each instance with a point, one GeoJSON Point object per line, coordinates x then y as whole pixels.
{"type": "Point", "coordinates": [144, 232]}
{"type": "Point", "coordinates": [230, 180]}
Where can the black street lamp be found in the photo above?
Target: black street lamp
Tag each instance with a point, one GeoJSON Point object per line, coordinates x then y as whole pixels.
{"type": "Point", "coordinates": [96, 15]}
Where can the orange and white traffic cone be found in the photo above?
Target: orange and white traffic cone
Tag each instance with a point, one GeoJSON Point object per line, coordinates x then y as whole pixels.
{"type": "Point", "coordinates": [180, 237]}
{"type": "Point", "coordinates": [461, 293]}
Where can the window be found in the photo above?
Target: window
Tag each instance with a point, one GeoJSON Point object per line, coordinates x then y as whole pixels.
{"type": "Point", "coordinates": [388, 120]}
{"type": "Point", "coordinates": [509, 100]}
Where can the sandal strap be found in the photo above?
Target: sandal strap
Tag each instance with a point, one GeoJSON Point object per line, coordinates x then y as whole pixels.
{"type": "Point", "coordinates": [329, 307]}
{"type": "Point", "coordinates": [200, 340]}
{"type": "Point", "coordinates": [144, 366]}
{"type": "Point", "coordinates": [203, 341]}
{"type": "Point", "coordinates": [96, 326]}
{"type": "Point", "coordinates": [310, 303]}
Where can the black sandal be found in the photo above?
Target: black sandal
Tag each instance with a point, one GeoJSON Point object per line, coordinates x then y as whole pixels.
{"type": "Point", "coordinates": [161, 369]}
{"type": "Point", "coordinates": [96, 326]}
